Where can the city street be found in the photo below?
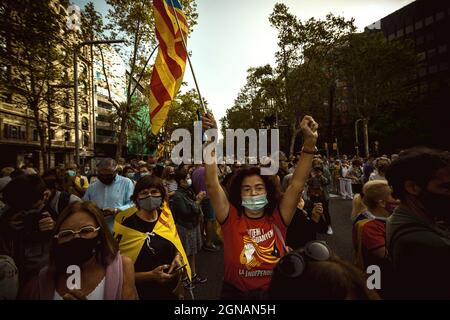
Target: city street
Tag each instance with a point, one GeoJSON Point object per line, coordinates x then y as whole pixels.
{"type": "Point", "coordinates": [210, 264]}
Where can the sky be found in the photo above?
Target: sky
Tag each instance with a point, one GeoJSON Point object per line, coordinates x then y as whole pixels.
{"type": "Point", "coordinates": [233, 35]}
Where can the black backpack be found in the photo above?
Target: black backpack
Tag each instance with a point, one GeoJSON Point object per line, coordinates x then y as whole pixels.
{"type": "Point", "coordinates": [388, 271]}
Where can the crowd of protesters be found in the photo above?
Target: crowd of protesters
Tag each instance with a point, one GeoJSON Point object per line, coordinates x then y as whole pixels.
{"type": "Point", "coordinates": [135, 228]}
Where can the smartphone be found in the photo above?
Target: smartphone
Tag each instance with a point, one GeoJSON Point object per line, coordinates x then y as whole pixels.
{"type": "Point", "coordinates": [178, 269]}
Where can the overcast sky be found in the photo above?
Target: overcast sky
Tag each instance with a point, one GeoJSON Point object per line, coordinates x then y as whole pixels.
{"type": "Point", "coordinates": [233, 35]}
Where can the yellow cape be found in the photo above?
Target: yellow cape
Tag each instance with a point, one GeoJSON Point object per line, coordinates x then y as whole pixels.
{"type": "Point", "coordinates": [131, 241]}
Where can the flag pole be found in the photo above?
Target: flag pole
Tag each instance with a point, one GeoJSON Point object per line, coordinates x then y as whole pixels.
{"type": "Point", "coordinates": [189, 59]}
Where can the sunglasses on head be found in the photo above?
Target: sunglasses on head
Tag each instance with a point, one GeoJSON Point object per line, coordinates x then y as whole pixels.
{"type": "Point", "coordinates": [294, 263]}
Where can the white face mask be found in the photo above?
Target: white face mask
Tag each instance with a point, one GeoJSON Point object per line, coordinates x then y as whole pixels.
{"type": "Point", "coordinates": [189, 182]}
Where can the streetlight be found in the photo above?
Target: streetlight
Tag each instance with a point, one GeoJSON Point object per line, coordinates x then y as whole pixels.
{"type": "Point", "coordinates": [366, 136]}
{"type": "Point", "coordinates": [75, 68]}
{"type": "Point", "coordinates": [356, 136]}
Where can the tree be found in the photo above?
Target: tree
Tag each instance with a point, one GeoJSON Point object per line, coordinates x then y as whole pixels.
{"type": "Point", "coordinates": [377, 76]}
{"type": "Point", "coordinates": [33, 53]}
{"type": "Point", "coordinates": [141, 139]}
{"type": "Point", "coordinates": [133, 21]}
{"type": "Point", "coordinates": [306, 62]}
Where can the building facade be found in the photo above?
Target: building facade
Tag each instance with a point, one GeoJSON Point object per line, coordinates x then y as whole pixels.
{"type": "Point", "coordinates": [19, 139]}
{"type": "Point", "coordinates": [107, 123]}
{"type": "Point", "coordinates": [427, 25]}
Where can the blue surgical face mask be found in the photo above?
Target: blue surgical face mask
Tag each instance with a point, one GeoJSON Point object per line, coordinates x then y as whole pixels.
{"type": "Point", "coordinates": [130, 175]}
{"type": "Point", "coordinates": [255, 203]}
{"type": "Point", "coordinates": [71, 173]}
{"type": "Point", "coordinates": [189, 182]}
{"type": "Point", "coordinates": [143, 174]}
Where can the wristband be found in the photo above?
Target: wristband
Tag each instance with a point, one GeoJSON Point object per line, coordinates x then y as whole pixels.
{"type": "Point", "coordinates": [310, 151]}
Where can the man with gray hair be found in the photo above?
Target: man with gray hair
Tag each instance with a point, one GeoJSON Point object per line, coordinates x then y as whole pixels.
{"type": "Point", "coordinates": [111, 192]}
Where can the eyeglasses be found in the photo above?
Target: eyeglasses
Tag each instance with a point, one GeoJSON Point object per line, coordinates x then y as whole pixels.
{"type": "Point", "coordinates": [146, 193]}
{"type": "Point", "coordinates": [85, 232]}
{"type": "Point", "coordinates": [294, 263]}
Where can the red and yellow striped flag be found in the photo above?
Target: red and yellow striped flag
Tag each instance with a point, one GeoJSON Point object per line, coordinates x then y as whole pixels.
{"type": "Point", "coordinates": [170, 63]}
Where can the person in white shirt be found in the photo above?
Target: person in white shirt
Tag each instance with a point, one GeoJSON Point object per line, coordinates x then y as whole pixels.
{"type": "Point", "coordinates": [345, 183]}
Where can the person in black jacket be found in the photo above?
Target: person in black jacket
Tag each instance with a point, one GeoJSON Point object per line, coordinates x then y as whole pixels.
{"type": "Point", "coordinates": [25, 226]}
{"type": "Point", "coordinates": [308, 220]}
{"type": "Point", "coordinates": [186, 210]}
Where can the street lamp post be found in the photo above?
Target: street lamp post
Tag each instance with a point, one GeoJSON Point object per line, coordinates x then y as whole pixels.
{"type": "Point", "coordinates": [356, 137]}
{"type": "Point", "coordinates": [75, 72]}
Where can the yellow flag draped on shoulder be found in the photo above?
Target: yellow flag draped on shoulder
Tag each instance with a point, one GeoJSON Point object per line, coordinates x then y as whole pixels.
{"type": "Point", "coordinates": [131, 241]}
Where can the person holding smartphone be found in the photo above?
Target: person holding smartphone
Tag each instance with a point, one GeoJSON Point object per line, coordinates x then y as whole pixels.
{"type": "Point", "coordinates": [25, 227]}
{"type": "Point", "coordinates": [147, 234]}
{"type": "Point", "coordinates": [308, 220]}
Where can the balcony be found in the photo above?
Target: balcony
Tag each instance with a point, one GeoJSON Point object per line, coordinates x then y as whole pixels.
{"type": "Point", "coordinates": [14, 109]}
{"type": "Point", "coordinates": [105, 139]}
{"type": "Point", "coordinates": [104, 125]}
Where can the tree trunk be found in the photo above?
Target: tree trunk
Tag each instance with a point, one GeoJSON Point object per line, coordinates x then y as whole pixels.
{"type": "Point", "coordinates": [122, 135]}
{"type": "Point", "coordinates": [295, 132]}
{"type": "Point", "coordinates": [41, 133]}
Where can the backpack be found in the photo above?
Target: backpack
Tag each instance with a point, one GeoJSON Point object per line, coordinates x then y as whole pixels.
{"type": "Point", "coordinates": [388, 271]}
{"type": "Point", "coordinates": [63, 202]}
{"type": "Point", "coordinates": [9, 278]}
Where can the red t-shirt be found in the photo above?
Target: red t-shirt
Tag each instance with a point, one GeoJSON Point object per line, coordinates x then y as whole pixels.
{"type": "Point", "coordinates": [252, 249]}
{"type": "Point", "coordinates": [373, 235]}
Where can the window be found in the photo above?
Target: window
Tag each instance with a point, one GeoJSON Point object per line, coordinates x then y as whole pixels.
{"type": "Point", "coordinates": [419, 25]}
{"type": "Point", "coordinates": [443, 66]}
{"type": "Point", "coordinates": [433, 68]}
{"type": "Point", "coordinates": [440, 15]}
{"type": "Point", "coordinates": [52, 134]}
{"type": "Point", "coordinates": [428, 20]}
{"type": "Point", "coordinates": [14, 132]}
{"type": "Point", "coordinates": [35, 135]}
{"type": "Point", "coordinates": [422, 72]}
{"type": "Point", "coordinates": [391, 36]}
{"type": "Point", "coordinates": [421, 56]}
{"type": "Point", "coordinates": [400, 33]}
{"type": "Point", "coordinates": [66, 136]}
{"type": "Point", "coordinates": [66, 101]}
{"type": "Point", "coordinates": [104, 105]}
{"type": "Point", "coordinates": [84, 87]}
{"type": "Point", "coordinates": [409, 29]}
{"type": "Point", "coordinates": [85, 123]}
{"type": "Point", "coordinates": [85, 140]}
{"type": "Point", "coordinates": [430, 36]}
{"type": "Point", "coordinates": [66, 118]}
{"type": "Point", "coordinates": [431, 53]}
{"type": "Point", "coordinates": [103, 118]}
{"type": "Point", "coordinates": [442, 48]}
{"type": "Point", "coordinates": [65, 76]}
{"type": "Point", "coordinates": [419, 40]}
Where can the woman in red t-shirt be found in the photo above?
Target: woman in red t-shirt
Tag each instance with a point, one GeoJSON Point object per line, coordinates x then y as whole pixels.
{"type": "Point", "coordinates": [254, 217]}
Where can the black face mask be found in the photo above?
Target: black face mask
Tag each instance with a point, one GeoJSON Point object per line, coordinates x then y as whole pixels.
{"type": "Point", "coordinates": [107, 178]}
{"type": "Point", "coordinates": [436, 204]}
{"type": "Point", "coordinates": [74, 252]}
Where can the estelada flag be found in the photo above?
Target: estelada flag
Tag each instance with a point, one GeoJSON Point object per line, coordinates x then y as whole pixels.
{"type": "Point", "coordinates": [170, 63]}
{"type": "Point", "coordinates": [131, 240]}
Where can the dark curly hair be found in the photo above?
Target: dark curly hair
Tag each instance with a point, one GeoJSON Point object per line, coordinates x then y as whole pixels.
{"type": "Point", "coordinates": [418, 164]}
{"type": "Point", "coordinates": [270, 182]}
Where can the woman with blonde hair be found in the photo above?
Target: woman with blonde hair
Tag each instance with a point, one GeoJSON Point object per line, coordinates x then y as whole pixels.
{"type": "Point", "coordinates": [368, 232]}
